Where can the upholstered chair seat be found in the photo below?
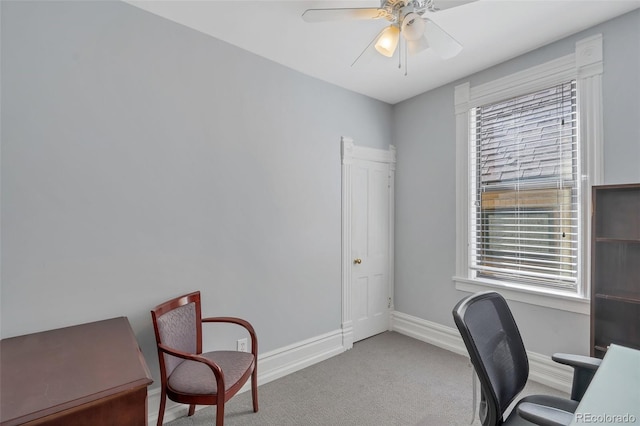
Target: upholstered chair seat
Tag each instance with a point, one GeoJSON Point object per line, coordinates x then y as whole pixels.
{"type": "Point", "coordinates": [196, 378]}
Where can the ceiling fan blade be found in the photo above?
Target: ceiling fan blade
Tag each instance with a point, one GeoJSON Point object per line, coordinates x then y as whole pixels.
{"type": "Point", "coordinates": [447, 4]}
{"type": "Point", "coordinates": [324, 15]}
{"type": "Point", "coordinates": [369, 50]}
{"type": "Point", "coordinates": [445, 46]}
{"type": "Point", "coordinates": [417, 46]}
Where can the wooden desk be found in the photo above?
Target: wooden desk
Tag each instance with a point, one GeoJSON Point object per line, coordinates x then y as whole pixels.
{"type": "Point", "coordinates": [613, 396]}
{"type": "Point", "coordinates": [89, 374]}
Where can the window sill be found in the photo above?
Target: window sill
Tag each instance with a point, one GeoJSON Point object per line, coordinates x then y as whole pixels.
{"type": "Point", "coordinates": [549, 299]}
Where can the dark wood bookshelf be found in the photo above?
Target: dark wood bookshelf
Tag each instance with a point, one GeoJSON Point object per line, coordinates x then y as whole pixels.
{"type": "Point", "coordinates": [615, 267]}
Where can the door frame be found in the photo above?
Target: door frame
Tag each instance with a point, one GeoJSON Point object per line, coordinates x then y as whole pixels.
{"type": "Point", "coordinates": [349, 152]}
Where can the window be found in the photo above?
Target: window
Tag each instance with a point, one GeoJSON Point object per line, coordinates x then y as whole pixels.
{"type": "Point", "coordinates": [529, 148]}
{"type": "Point", "coordinates": [526, 188]}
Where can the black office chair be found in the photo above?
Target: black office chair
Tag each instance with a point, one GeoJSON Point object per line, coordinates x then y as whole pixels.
{"type": "Point", "coordinates": [499, 358]}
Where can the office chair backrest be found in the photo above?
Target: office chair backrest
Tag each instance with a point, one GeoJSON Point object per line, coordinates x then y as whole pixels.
{"type": "Point", "coordinates": [178, 325]}
{"type": "Point", "coordinates": [496, 351]}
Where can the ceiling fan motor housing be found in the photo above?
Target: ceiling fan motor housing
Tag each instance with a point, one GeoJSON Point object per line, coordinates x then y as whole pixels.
{"type": "Point", "coordinates": [405, 13]}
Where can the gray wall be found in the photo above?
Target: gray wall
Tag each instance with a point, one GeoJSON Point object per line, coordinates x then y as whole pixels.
{"type": "Point", "coordinates": [142, 160]}
{"type": "Point", "coordinates": [424, 132]}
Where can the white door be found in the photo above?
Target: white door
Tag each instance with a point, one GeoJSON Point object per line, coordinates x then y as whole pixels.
{"type": "Point", "coordinates": [370, 222]}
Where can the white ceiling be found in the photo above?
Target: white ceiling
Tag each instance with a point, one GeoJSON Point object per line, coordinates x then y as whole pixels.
{"type": "Point", "coordinates": [491, 32]}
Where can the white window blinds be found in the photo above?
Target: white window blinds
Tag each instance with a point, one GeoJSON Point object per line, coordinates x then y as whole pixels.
{"type": "Point", "coordinates": [525, 188]}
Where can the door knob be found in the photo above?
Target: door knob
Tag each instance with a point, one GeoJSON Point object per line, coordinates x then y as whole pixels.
{"type": "Point", "coordinates": [357, 261]}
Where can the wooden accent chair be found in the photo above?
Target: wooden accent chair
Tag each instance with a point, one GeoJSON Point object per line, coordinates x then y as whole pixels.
{"type": "Point", "coordinates": [189, 376]}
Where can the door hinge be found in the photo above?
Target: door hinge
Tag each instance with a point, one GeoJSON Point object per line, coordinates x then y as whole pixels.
{"type": "Point", "coordinates": [389, 304]}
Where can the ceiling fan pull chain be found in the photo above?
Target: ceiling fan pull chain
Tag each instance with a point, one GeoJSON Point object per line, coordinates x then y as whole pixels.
{"type": "Point", "coordinates": [406, 60]}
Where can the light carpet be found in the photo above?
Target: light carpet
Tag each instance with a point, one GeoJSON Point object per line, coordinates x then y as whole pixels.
{"type": "Point", "coordinates": [389, 379]}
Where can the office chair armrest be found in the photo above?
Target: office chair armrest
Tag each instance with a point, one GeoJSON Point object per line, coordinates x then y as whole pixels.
{"type": "Point", "coordinates": [577, 361]}
{"type": "Point", "coordinates": [217, 371]}
{"type": "Point", "coordinates": [243, 323]}
{"type": "Point", "coordinates": [584, 368]}
{"type": "Point", "coordinates": [231, 320]}
{"type": "Point", "coordinates": [543, 415]}
{"type": "Point", "coordinates": [215, 368]}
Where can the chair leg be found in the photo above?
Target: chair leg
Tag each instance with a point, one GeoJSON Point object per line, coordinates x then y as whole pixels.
{"type": "Point", "coordinates": [220, 414]}
{"type": "Point", "coordinates": [254, 390]}
{"type": "Point", "coordinates": [192, 409]}
{"type": "Point", "coordinates": [163, 401]}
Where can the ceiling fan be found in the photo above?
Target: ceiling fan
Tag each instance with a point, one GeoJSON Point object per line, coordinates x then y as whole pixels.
{"type": "Point", "coordinates": [407, 23]}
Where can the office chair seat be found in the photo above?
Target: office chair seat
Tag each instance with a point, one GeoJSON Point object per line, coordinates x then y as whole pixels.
{"type": "Point", "coordinates": [192, 377]}
{"type": "Point", "coordinates": [552, 410]}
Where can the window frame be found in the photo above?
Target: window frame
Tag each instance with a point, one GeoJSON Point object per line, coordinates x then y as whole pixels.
{"type": "Point", "coordinates": [585, 65]}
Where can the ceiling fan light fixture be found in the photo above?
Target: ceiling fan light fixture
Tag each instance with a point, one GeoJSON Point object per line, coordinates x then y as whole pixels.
{"type": "Point", "coordinates": [388, 41]}
{"type": "Point", "coordinates": [413, 26]}
{"type": "Point", "coordinates": [417, 46]}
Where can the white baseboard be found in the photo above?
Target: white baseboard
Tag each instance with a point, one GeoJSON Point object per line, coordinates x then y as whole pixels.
{"type": "Point", "coordinates": [281, 362]}
{"type": "Point", "coordinates": [542, 368]}
{"type": "Point", "coordinates": [271, 366]}
{"type": "Point", "coordinates": [436, 334]}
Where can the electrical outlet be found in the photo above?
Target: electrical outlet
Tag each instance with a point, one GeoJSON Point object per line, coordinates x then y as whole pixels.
{"type": "Point", "coordinates": [243, 345]}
